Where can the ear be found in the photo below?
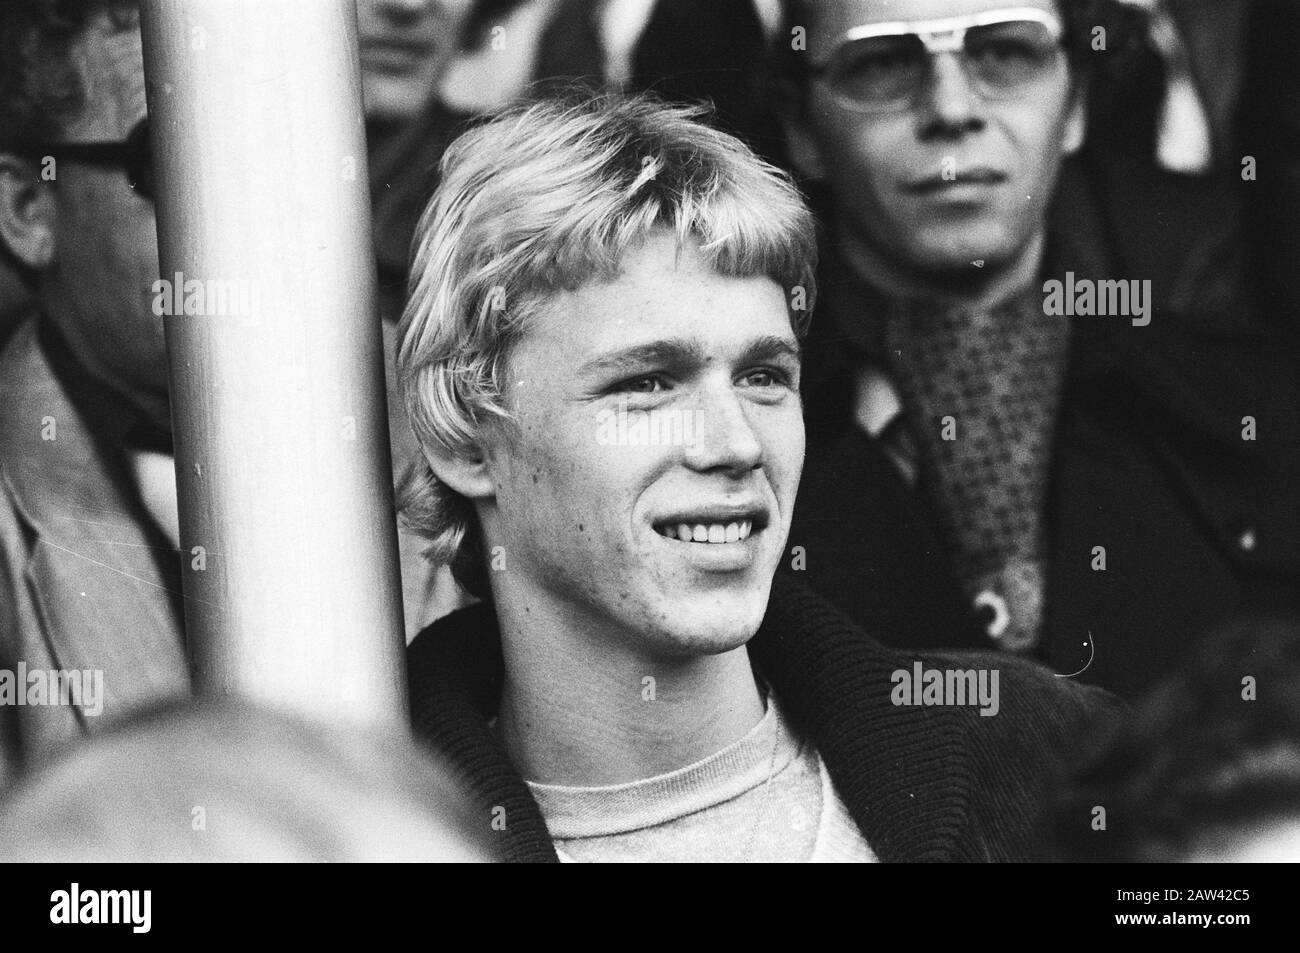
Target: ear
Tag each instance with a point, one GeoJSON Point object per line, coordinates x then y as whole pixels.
{"type": "Point", "coordinates": [1076, 121]}
{"type": "Point", "coordinates": [801, 144]}
{"type": "Point", "coordinates": [468, 472]}
{"type": "Point", "coordinates": [28, 214]}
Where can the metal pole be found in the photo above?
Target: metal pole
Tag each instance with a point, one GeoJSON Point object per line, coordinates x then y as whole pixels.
{"type": "Point", "coordinates": [278, 404]}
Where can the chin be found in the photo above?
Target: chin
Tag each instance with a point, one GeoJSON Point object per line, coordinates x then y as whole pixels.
{"type": "Point", "coordinates": [696, 641]}
{"type": "Point", "coordinates": [712, 623]}
{"type": "Point", "coordinates": [949, 252]}
{"type": "Point", "coordinates": [392, 100]}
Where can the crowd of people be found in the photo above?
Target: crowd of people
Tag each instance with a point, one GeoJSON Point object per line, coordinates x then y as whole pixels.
{"type": "Point", "coordinates": [987, 526]}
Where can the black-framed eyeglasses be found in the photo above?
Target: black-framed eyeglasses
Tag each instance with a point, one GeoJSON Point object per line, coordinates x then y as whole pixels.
{"type": "Point", "coordinates": [133, 155]}
{"type": "Point", "coordinates": [881, 67]}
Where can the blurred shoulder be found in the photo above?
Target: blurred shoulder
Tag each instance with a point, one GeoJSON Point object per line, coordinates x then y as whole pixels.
{"type": "Point", "coordinates": [1034, 703]}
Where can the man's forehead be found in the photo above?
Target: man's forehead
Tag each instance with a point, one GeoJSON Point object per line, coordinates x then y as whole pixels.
{"type": "Point", "coordinates": [831, 18]}
{"type": "Point", "coordinates": [112, 67]}
{"type": "Point", "coordinates": [612, 324]}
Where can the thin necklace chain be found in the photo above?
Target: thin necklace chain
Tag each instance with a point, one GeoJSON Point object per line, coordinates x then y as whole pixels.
{"type": "Point", "coordinates": [766, 794]}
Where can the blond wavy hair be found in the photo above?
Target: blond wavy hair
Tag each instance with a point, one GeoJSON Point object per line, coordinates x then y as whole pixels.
{"type": "Point", "coordinates": [549, 196]}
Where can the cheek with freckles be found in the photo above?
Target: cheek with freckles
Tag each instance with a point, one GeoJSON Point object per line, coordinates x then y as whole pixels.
{"type": "Point", "coordinates": [568, 503]}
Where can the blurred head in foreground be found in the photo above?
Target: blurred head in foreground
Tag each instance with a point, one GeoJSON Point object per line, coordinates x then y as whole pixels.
{"type": "Point", "coordinates": [215, 782]}
{"type": "Point", "coordinates": [1208, 767]}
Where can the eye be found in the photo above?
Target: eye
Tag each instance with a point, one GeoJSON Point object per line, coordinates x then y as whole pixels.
{"type": "Point", "coordinates": [649, 384]}
{"type": "Point", "coordinates": [766, 377]}
{"type": "Point", "coordinates": [875, 68]}
{"type": "Point", "coordinates": [1010, 52]}
{"type": "Point", "coordinates": [1003, 51]}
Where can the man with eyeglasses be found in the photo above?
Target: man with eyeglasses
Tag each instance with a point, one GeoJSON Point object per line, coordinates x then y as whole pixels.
{"type": "Point", "coordinates": [89, 567]}
{"type": "Point", "coordinates": [89, 572]}
{"type": "Point", "coordinates": [983, 471]}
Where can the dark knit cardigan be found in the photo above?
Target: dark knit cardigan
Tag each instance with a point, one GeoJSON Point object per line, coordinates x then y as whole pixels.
{"type": "Point", "coordinates": [923, 783]}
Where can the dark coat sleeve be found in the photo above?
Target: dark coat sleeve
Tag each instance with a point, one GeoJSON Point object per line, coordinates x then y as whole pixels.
{"type": "Point", "coordinates": [1046, 725]}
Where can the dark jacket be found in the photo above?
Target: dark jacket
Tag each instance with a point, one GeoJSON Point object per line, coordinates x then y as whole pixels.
{"type": "Point", "coordinates": [403, 163]}
{"type": "Point", "coordinates": [1149, 460]}
{"type": "Point", "coordinates": [922, 783]}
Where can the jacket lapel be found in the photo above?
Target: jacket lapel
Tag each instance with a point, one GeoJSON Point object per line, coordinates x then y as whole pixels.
{"type": "Point", "coordinates": [102, 580]}
{"type": "Point", "coordinates": [455, 670]}
{"type": "Point", "coordinates": [901, 771]}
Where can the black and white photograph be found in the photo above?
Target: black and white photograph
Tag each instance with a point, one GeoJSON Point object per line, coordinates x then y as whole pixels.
{"type": "Point", "coordinates": [650, 431]}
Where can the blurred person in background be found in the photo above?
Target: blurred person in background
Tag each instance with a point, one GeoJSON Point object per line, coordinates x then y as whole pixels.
{"type": "Point", "coordinates": [983, 471]}
{"type": "Point", "coordinates": [1161, 179]}
{"type": "Point", "coordinates": [89, 529]}
{"type": "Point", "coordinates": [89, 567]}
{"type": "Point", "coordinates": [406, 48]}
{"type": "Point", "coordinates": [1206, 768]}
{"type": "Point", "coordinates": [683, 50]}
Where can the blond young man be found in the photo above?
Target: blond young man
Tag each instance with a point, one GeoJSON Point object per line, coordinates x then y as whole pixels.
{"type": "Point", "coordinates": [635, 686]}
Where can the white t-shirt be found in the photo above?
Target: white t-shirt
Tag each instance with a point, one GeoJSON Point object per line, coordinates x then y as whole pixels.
{"type": "Point", "coordinates": [766, 798]}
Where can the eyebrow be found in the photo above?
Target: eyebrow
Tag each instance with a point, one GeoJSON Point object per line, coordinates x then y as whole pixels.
{"type": "Point", "coordinates": [679, 352]}
{"type": "Point", "coordinates": [773, 346]}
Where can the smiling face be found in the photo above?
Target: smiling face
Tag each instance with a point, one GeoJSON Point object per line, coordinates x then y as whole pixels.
{"type": "Point", "coordinates": [405, 46]}
{"type": "Point", "coordinates": [590, 521]}
{"type": "Point", "coordinates": [951, 178]}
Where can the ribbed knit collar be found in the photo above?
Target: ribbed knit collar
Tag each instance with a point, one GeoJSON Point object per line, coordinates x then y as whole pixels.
{"type": "Point", "coordinates": [903, 772]}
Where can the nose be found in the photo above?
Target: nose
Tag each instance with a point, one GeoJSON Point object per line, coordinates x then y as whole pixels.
{"type": "Point", "coordinates": [724, 437]}
{"type": "Point", "coordinates": [951, 105]}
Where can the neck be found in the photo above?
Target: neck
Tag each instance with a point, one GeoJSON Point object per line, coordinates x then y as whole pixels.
{"type": "Point", "coordinates": [578, 709]}
{"type": "Point", "coordinates": [967, 286]}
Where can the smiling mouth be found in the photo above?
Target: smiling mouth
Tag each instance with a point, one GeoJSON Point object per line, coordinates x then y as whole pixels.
{"type": "Point", "coordinates": [709, 533]}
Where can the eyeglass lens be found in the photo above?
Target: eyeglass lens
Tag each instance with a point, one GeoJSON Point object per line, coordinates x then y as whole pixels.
{"type": "Point", "coordinates": [1001, 58]}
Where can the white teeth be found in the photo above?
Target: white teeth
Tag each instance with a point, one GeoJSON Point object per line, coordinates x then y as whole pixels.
{"type": "Point", "coordinates": [712, 533]}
